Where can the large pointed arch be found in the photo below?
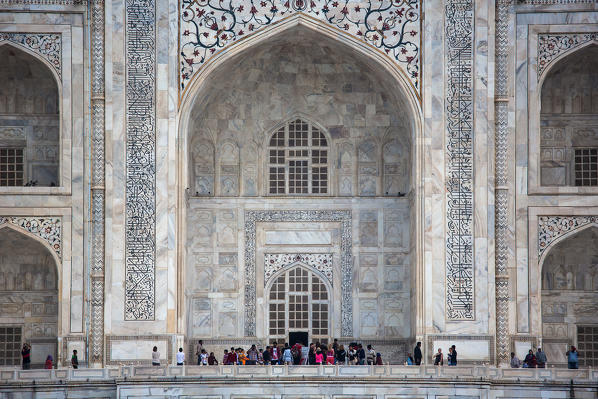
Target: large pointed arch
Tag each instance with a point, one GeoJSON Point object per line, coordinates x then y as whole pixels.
{"type": "Point", "coordinates": [399, 87]}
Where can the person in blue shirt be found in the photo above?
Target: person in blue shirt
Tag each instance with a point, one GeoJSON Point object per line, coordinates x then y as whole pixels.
{"type": "Point", "coordinates": [410, 361]}
{"type": "Point", "coordinates": [573, 358]}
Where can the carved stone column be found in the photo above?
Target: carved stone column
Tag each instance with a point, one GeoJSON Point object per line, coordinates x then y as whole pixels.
{"type": "Point", "coordinates": [96, 343]}
{"type": "Point", "coordinates": [503, 219]}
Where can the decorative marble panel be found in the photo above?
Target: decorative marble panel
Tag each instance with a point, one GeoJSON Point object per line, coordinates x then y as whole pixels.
{"type": "Point", "coordinates": [342, 216]}
{"type": "Point", "coordinates": [49, 229]}
{"type": "Point", "coordinates": [209, 27]}
{"type": "Point", "coordinates": [552, 227]}
{"type": "Point", "coordinates": [47, 45]}
{"type": "Point", "coordinates": [459, 156]}
{"type": "Point", "coordinates": [552, 45]}
{"type": "Point", "coordinates": [140, 224]}
{"type": "Point", "coordinates": [275, 262]}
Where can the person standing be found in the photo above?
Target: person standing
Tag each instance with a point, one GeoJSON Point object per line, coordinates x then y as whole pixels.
{"type": "Point", "coordinates": [180, 357]}
{"type": "Point", "coordinates": [530, 360]}
{"type": "Point", "coordinates": [48, 364]}
{"type": "Point", "coordinates": [572, 358]}
{"type": "Point", "coordinates": [541, 358]}
{"type": "Point", "coordinates": [26, 354]}
{"type": "Point", "coordinates": [360, 355]}
{"type": "Point", "coordinates": [75, 360]}
{"type": "Point", "coordinates": [438, 358]}
{"type": "Point", "coordinates": [252, 355]}
{"type": "Point", "coordinates": [454, 348]}
{"type": "Point", "coordinates": [287, 357]}
{"type": "Point", "coordinates": [155, 357]}
{"type": "Point", "coordinates": [449, 357]}
{"type": "Point", "coordinates": [198, 350]}
{"type": "Point", "coordinates": [341, 355]}
{"type": "Point", "coordinates": [371, 356]}
{"type": "Point", "coordinates": [409, 361]}
{"type": "Point", "coordinates": [267, 355]}
{"type": "Point", "coordinates": [515, 362]}
{"type": "Point", "coordinates": [417, 354]}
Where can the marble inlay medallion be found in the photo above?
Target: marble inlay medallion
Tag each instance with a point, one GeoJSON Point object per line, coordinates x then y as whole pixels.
{"type": "Point", "coordinates": [342, 216]}
{"type": "Point", "coordinates": [551, 228]}
{"type": "Point", "coordinates": [459, 156]}
{"type": "Point", "coordinates": [552, 45]}
{"type": "Point", "coordinates": [141, 160]}
{"type": "Point", "coordinates": [48, 229]}
{"type": "Point", "coordinates": [208, 27]}
{"type": "Point", "coordinates": [47, 45]}
{"type": "Point", "coordinates": [275, 262]}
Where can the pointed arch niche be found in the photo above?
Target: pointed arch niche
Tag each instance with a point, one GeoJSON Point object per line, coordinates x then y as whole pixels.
{"type": "Point", "coordinates": [29, 116]}
{"type": "Point", "coordinates": [299, 70]}
{"type": "Point", "coordinates": [29, 296]}
{"type": "Point", "coordinates": [562, 89]}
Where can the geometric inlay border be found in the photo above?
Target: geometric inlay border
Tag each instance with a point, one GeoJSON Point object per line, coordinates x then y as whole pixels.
{"type": "Point", "coordinates": [551, 228]}
{"type": "Point", "coordinates": [47, 45]}
{"type": "Point", "coordinates": [342, 216]}
{"type": "Point", "coordinates": [48, 229]}
{"type": "Point", "coordinates": [459, 159]}
{"type": "Point", "coordinates": [209, 27]}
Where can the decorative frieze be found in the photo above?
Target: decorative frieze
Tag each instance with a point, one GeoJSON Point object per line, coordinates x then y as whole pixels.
{"type": "Point", "coordinates": [275, 262]}
{"type": "Point", "coordinates": [47, 45]}
{"type": "Point", "coordinates": [140, 208]}
{"type": "Point", "coordinates": [49, 229]}
{"type": "Point", "coordinates": [551, 228]}
{"type": "Point", "coordinates": [552, 45]}
{"type": "Point", "coordinates": [344, 217]}
{"type": "Point", "coordinates": [459, 156]}
{"type": "Point", "coordinates": [208, 27]}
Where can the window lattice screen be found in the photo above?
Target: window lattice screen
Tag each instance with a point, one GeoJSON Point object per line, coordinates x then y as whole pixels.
{"type": "Point", "coordinates": [586, 167]}
{"type": "Point", "coordinates": [10, 346]}
{"type": "Point", "coordinates": [298, 160]}
{"type": "Point", "coordinates": [298, 301]}
{"type": "Point", "coordinates": [11, 167]}
{"type": "Point", "coordinates": [587, 345]}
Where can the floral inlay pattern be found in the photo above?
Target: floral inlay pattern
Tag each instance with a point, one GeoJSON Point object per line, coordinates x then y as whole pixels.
{"type": "Point", "coordinates": [47, 45]}
{"type": "Point", "coordinates": [550, 46]}
{"type": "Point", "coordinates": [209, 26]}
{"type": "Point", "coordinates": [48, 229]}
{"type": "Point", "coordinates": [552, 227]}
{"type": "Point", "coordinates": [275, 262]}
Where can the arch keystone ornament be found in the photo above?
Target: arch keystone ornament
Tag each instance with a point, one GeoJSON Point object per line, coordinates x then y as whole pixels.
{"type": "Point", "coordinates": [209, 26]}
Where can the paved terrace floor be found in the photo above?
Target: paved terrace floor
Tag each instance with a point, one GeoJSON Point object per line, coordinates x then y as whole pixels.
{"type": "Point", "coordinates": [312, 382]}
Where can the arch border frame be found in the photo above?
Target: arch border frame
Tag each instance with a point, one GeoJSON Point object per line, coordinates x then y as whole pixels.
{"type": "Point", "coordinates": [541, 219]}
{"type": "Point", "coordinates": [536, 76]}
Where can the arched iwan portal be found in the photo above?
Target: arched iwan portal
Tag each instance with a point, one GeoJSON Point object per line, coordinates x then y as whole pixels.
{"type": "Point", "coordinates": [570, 297]}
{"type": "Point", "coordinates": [290, 148]}
{"type": "Point", "coordinates": [28, 298]}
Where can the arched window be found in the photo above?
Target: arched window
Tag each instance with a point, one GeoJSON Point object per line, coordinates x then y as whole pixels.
{"type": "Point", "coordinates": [298, 301]}
{"type": "Point", "coordinates": [298, 160]}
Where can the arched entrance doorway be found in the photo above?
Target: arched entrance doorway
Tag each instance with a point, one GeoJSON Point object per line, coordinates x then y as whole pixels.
{"type": "Point", "coordinates": [570, 297]}
{"type": "Point", "coordinates": [291, 146]}
{"type": "Point", "coordinates": [28, 299]}
{"type": "Point", "coordinates": [299, 308]}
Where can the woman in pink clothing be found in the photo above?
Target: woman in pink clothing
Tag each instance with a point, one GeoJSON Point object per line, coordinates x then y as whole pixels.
{"type": "Point", "coordinates": [319, 356]}
{"type": "Point", "coordinates": [330, 355]}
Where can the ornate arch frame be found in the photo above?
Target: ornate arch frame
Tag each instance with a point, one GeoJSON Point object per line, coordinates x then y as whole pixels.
{"type": "Point", "coordinates": [193, 93]}
{"type": "Point", "coordinates": [549, 226]}
{"type": "Point", "coordinates": [542, 58]}
{"type": "Point", "coordinates": [58, 61]}
{"type": "Point", "coordinates": [52, 243]}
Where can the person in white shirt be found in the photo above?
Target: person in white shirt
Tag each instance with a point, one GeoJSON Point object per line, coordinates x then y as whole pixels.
{"type": "Point", "coordinates": [155, 357]}
{"type": "Point", "coordinates": [180, 357]}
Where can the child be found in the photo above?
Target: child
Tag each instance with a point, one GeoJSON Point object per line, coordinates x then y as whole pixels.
{"type": "Point", "coordinates": [203, 357]}
{"type": "Point", "coordinates": [242, 357]}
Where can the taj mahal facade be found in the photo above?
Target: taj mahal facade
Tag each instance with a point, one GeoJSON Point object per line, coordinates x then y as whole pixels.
{"type": "Point", "coordinates": [242, 172]}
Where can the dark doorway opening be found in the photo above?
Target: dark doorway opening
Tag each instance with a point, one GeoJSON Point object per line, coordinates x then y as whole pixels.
{"type": "Point", "coordinates": [298, 336]}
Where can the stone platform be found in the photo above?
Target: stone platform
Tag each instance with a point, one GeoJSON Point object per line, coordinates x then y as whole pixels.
{"type": "Point", "coordinates": [282, 382]}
